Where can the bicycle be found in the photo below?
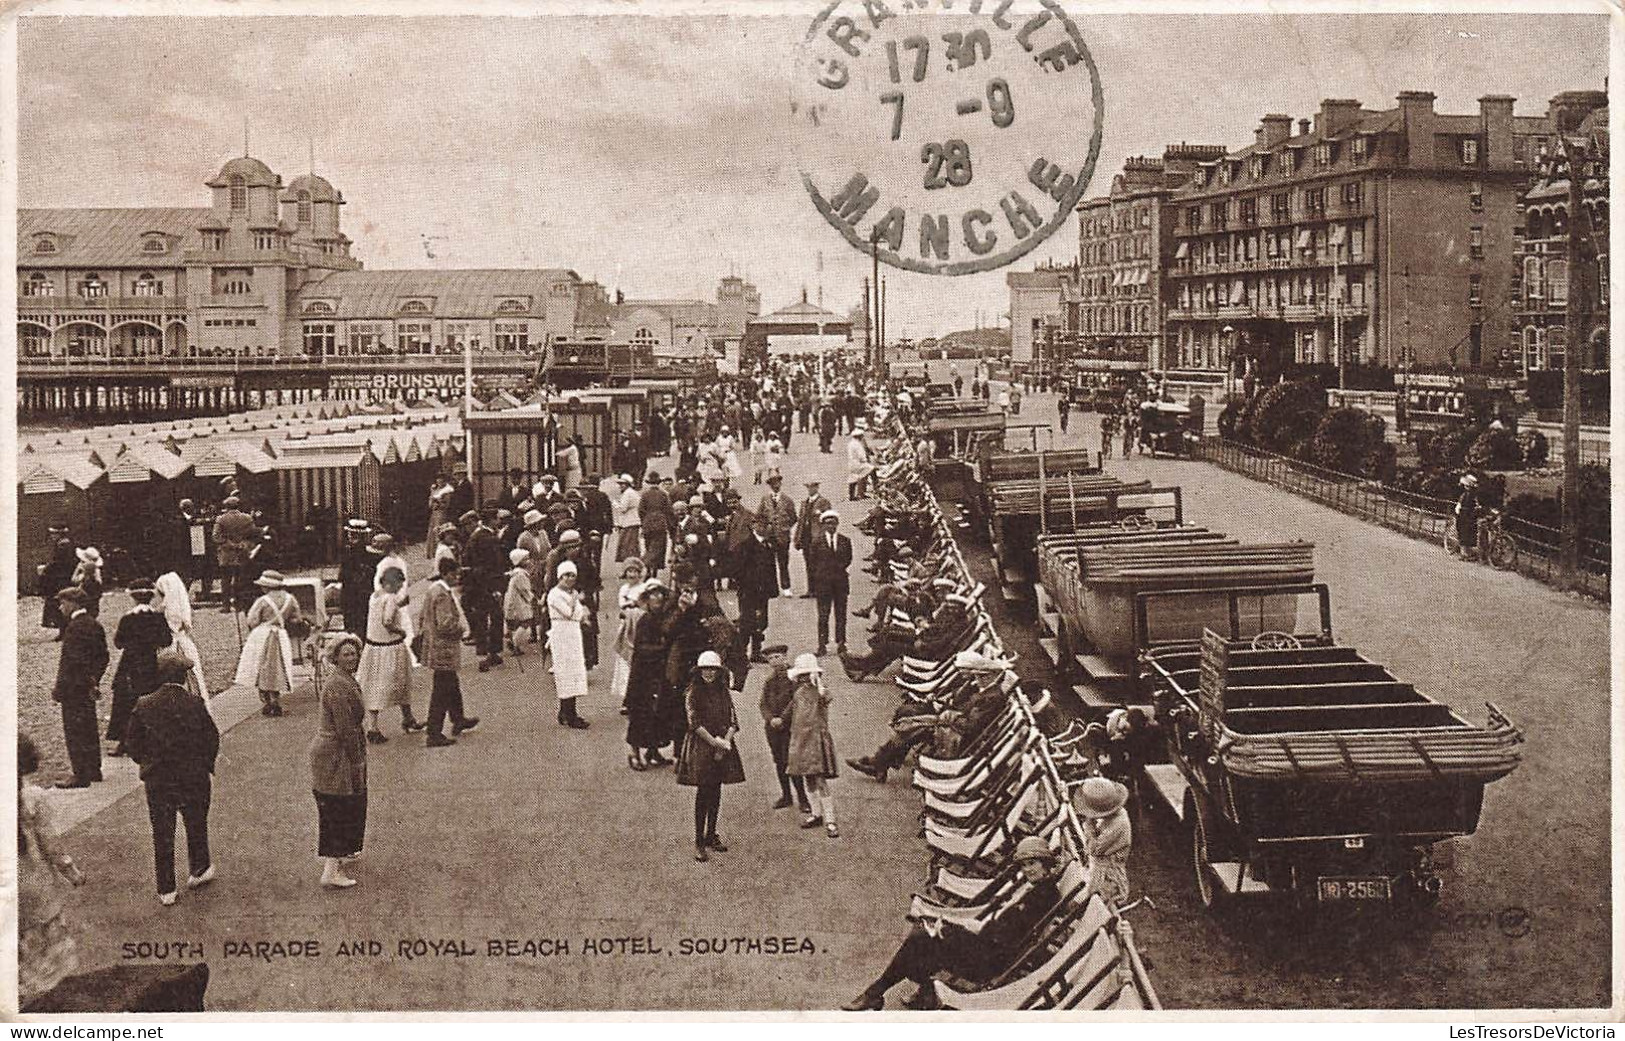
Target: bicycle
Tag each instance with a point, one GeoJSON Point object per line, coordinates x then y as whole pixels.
{"type": "Point", "coordinates": [1494, 545]}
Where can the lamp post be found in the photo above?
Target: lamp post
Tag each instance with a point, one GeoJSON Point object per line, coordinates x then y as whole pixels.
{"type": "Point", "coordinates": [1229, 334]}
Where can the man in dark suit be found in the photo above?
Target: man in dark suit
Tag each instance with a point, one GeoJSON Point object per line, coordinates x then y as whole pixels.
{"type": "Point", "coordinates": [807, 514]}
{"type": "Point", "coordinates": [78, 672]}
{"type": "Point", "coordinates": [486, 564]}
{"type": "Point", "coordinates": [600, 515]}
{"type": "Point", "coordinates": [141, 634]}
{"type": "Point", "coordinates": [173, 738]}
{"type": "Point", "coordinates": [828, 557]}
{"type": "Point", "coordinates": [757, 583]}
{"type": "Point", "coordinates": [656, 519]}
{"type": "Point", "coordinates": [516, 491]}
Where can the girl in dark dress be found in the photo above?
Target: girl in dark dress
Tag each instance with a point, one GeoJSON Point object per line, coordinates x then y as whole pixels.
{"type": "Point", "coordinates": [685, 638]}
{"type": "Point", "coordinates": [709, 758]}
{"type": "Point", "coordinates": [646, 688]}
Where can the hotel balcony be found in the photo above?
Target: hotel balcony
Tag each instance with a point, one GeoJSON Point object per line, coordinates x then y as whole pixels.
{"type": "Point", "coordinates": [167, 304]}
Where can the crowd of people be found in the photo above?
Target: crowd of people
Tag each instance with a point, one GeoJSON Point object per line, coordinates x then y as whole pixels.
{"type": "Point", "coordinates": [681, 519]}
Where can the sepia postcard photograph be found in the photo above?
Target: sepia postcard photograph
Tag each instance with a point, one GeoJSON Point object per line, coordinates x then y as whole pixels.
{"type": "Point", "coordinates": [852, 508]}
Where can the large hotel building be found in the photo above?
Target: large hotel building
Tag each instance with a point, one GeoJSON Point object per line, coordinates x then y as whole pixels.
{"type": "Point", "coordinates": [1383, 237]}
{"type": "Point", "coordinates": [266, 271]}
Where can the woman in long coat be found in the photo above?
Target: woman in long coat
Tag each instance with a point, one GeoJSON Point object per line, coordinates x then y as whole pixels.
{"type": "Point", "coordinates": [811, 753]}
{"type": "Point", "coordinates": [633, 573]}
{"type": "Point", "coordinates": [709, 758]}
{"type": "Point", "coordinates": [686, 639]}
{"type": "Point", "coordinates": [267, 660]}
{"type": "Point", "coordinates": [385, 674]}
{"type": "Point", "coordinates": [566, 613]}
{"type": "Point", "coordinates": [177, 608]}
{"type": "Point", "coordinates": [647, 691]}
{"type": "Point", "coordinates": [338, 766]}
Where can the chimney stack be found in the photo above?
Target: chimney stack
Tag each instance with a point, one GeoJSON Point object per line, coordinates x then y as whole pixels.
{"type": "Point", "coordinates": [1495, 124]}
{"type": "Point", "coordinates": [1272, 130]}
{"type": "Point", "coordinates": [1303, 127]}
{"type": "Point", "coordinates": [1336, 115]}
{"type": "Point", "coordinates": [1416, 113]}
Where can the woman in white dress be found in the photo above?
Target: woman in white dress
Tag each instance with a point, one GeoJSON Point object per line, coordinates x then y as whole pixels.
{"type": "Point", "coordinates": [177, 608]}
{"type": "Point", "coordinates": [728, 448]}
{"type": "Point", "coordinates": [632, 576]}
{"type": "Point", "coordinates": [566, 613]}
{"type": "Point", "coordinates": [385, 673]}
{"type": "Point", "coordinates": [267, 660]}
{"type": "Point", "coordinates": [711, 461]}
{"type": "Point", "coordinates": [775, 456]}
{"type": "Point", "coordinates": [386, 544]}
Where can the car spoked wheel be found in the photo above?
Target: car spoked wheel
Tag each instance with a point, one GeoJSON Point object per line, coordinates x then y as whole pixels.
{"type": "Point", "coordinates": [1206, 890]}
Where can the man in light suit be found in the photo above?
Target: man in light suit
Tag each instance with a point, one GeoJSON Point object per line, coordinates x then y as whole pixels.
{"type": "Point", "coordinates": [779, 514]}
{"type": "Point", "coordinates": [442, 628]}
{"type": "Point", "coordinates": [828, 557]}
{"type": "Point", "coordinates": [811, 508]}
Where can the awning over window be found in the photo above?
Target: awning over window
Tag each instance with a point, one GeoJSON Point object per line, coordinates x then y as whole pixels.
{"type": "Point", "coordinates": [1306, 239]}
{"type": "Point", "coordinates": [1183, 251]}
{"type": "Point", "coordinates": [1238, 291]}
{"type": "Point", "coordinates": [1339, 234]}
{"type": "Point", "coordinates": [1117, 278]}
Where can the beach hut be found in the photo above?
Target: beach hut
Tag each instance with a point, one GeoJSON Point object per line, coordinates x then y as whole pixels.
{"type": "Point", "coordinates": [53, 488]}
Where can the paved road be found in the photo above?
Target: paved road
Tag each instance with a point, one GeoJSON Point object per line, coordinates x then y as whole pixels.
{"type": "Point", "coordinates": [1524, 919]}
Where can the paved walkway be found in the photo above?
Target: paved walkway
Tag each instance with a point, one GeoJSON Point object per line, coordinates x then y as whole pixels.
{"type": "Point", "coordinates": [526, 833]}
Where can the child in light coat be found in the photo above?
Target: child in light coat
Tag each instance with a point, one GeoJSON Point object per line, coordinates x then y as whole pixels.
{"type": "Point", "coordinates": [519, 602]}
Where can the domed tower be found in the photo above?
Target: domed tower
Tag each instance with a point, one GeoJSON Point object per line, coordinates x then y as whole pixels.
{"type": "Point", "coordinates": [245, 193]}
{"type": "Point", "coordinates": [311, 206]}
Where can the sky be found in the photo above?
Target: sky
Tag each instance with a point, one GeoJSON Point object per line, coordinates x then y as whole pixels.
{"type": "Point", "coordinates": [654, 153]}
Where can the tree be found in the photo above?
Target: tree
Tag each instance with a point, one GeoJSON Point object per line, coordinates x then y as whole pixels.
{"type": "Point", "coordinates": [1283, 416]}
{"type": "Point", "coordinates": [1346, 440]}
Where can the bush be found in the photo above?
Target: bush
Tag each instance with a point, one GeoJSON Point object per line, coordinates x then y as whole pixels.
{"type": "Point", "coordinates": [1495, 449]}
{"type": "Point", "coordinates": [1283, 416]}
{"type": "Point", "coordinates": [1536, 449]}
{"type": "Point", "coordinates": [1447, 449]}
{"type": "Point", "coordinates": [1344, 440]}
{"type": "Point", "coordinates": [1228, 420]}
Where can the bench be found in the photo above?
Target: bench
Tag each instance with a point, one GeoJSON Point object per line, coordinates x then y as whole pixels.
{"type": "Point", "coordinates": [1323, 695]}
{"type": "Point", "coordinates": [1304, 718]}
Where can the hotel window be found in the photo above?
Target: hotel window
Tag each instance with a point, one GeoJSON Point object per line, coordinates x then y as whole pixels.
{"type": "Point", "coordinates": [1249, 211]}
{"type": "Point", "coordinates": [265, 240]}
{"type": "Point", "coordinates": [413, 338]}
{"type": "Point", "coordinates": [1475, 197]}
{"type": "Point", "coordinates": [237, 287]}
{"type": "Point", "coordinates": [643, 337]}
{"type": "Point", "coordinates": [147, 285]}
{"type": "Point", "coordinates": [239, 193]}
{"type": "Point", "coordinates": [1281, 206]}
{"type": "Point", "coordinates": [1475, 241]}
{"type": "Point", "coordinates": [319, 339]}
{"type": "Point", "coordinates": [367, 339]}
{"type": "Point", "coordinates": [214, 240]}
{"type": "Point", "coordinates": [1193, 217]}
{"type": "Point", "coordinates": [1532, 282]}
{"type": "Point", "coordinates": [45, 244]}
{"type": "Point", "coordinates": [1256, 167]}
{"type": "Point", "coordinates": [1356, 242]}
{"type": "Point", "coordinates": [1351, 194]}
{"type": "Point", "coordinates": [1289, 160]}
{"type": "Point", "coordinates": [1323, 154]}
{"type": "Point", "coordinates": [462, 334]}
{"type": "Point", "coordinates": [154, 244]}
{"type": "Point", "coordinates": [38, 284]}
{"type": "Point", "coordinates": [1314, 200]}
{"type": "Point", "coordinates": [1220, 213]}
{"type": "Point", "coordinates": [1557, 281]}
{"type": "Point", "coordinates": [1469, 151]}
{"type": "Point", "coordinates": [1357, 293]}
{"type": "Point", "coordinates": [414, 307]}
{"type": "Point", "coordinates": [92, 286]}
{"type": "Point", "coordinates": [1359, 148]}
{"type": "Point", "coordinates": [304, 208]}
{"type": "Point", "coordinates": [1475, 289]}
{"type": "Point", "coordinates": [513, 337]}
{"type": "Point", "coordinates": [35, 342]}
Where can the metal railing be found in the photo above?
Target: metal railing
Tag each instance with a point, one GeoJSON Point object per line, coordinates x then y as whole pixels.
{"type": "Point", "coordinates": [1409, 513]}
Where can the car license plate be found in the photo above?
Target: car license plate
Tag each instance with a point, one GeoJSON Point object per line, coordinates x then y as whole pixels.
{"type": "Point", "coordinates": [1340, 889]}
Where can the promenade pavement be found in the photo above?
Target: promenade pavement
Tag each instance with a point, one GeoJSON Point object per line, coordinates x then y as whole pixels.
{"type": "Point", "coordinates": [527, 867]}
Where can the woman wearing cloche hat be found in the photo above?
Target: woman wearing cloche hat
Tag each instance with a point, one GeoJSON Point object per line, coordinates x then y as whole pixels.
{"type": "Point", "coordinates": [708, 757]}
{"type": "Point", "coordinates": [267, 659]}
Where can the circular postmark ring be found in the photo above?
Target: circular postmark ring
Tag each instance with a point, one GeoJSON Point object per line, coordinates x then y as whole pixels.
{"type": "Point", "coordinates": [844, 203]}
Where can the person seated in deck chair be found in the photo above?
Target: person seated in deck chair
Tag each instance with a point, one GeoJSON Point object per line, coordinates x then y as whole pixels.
{"type": "Point", "coordinates": [933, 945]}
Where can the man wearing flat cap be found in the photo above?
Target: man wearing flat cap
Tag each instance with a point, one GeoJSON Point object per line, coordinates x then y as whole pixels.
{"type": "Point", "coordinates": [656, 519]}
{"type": "Point", "coordinates": [78, 674]}
{"type": "Point", "coordinates": [235, 536]}
{"type": "Point", "coordinates": [829, 556]}
{"type": "Point", "coordinates": [175, 741]}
